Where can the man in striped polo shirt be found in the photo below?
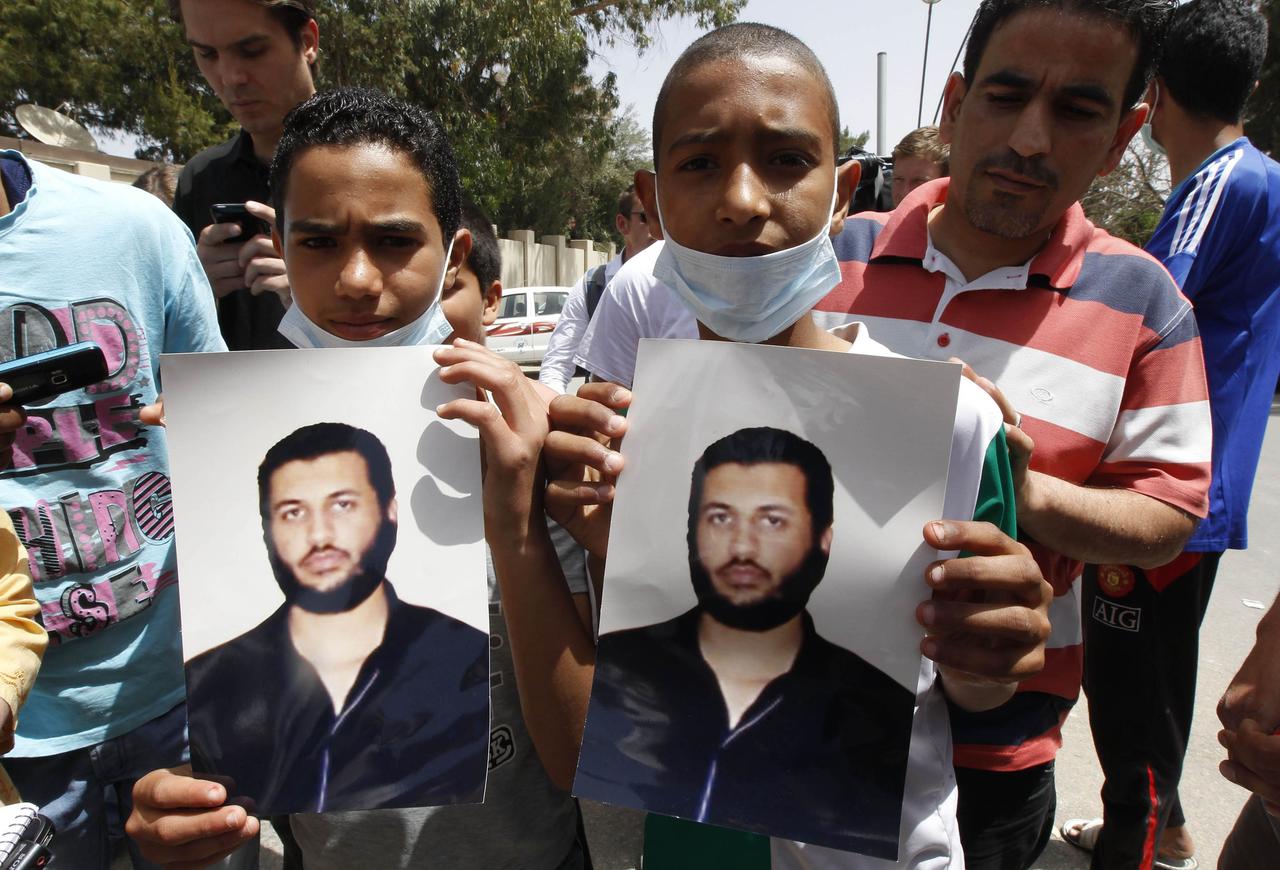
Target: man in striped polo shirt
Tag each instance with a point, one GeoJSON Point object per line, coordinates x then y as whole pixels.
{"type": "Point", "coordinates": [1219, 239]}
{"type": "Point", "coordinates": [1094, 352]}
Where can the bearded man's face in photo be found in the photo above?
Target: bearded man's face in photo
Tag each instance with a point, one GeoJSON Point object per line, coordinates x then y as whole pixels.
{"type": "Point", "coordinates": [754, 556]}
{"type": "Point", "coordinates": [328, 536]}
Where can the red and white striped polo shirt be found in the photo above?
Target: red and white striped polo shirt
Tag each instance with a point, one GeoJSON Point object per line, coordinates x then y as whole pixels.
{"type": "Point", "coordinates": [1096, 348]}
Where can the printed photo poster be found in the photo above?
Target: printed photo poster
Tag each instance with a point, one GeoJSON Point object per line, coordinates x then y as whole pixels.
{"type": "Point", "coordinates": [333, 591]}
{"type": "Point", "coordinates": [758, 655]}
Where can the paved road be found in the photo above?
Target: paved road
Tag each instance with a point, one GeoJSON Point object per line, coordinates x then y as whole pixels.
{"type": "Point", "coordinates": [1211, 803]}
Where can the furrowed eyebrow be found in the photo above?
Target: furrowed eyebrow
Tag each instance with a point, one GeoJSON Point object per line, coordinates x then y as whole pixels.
{"type": "Point", "coordinates": [707, 137]}
{"type": "Point", "coordinates": [311, 225]}
{"type": "Point", "coordinates": [698, 137]}
{"type": "Point", "coordinates": [1007, 79]}
{"type": "Point", "coordinates": [807, 137]}
{"type": "Point", "coordinates": [398, 225]}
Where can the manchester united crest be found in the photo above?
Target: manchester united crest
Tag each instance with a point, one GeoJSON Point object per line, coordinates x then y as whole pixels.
{"type": "Point", "coordinates": [1115, 580]}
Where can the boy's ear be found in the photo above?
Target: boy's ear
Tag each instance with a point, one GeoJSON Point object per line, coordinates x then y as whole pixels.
{"type": "Point", "coordinates": [492, 299]}
{"type": "Point", "coordinates": [847, 178]}
{"type": "Point", "coordinates": [647, 189]}
{"type": "Point", "coordinates": [461, 250]}
{"type": "Point", "coordinates": [276, 241]}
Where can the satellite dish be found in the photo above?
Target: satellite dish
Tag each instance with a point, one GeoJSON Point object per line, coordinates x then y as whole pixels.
{"type": "Point", "coordinates": [54, 128]}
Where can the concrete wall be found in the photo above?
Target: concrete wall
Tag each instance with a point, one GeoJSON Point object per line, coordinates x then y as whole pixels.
{"type": "Point", "coordinates": [526, 261]}
{"type": "Point", "coordinates": [549, 262]}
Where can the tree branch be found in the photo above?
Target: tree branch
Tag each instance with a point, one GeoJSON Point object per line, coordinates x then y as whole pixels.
{"type": "Point", "coordinates": [594, 7]}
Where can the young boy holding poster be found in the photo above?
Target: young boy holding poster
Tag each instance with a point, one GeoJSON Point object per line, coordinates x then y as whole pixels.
{"type": "Point", "coordinates": [748, 192]}
{"type": "Point", "coordinates": [381, 252]}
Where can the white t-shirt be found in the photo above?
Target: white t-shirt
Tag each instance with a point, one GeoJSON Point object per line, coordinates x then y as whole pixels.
{"type": "Point", "coordinates": [635, 305]}
{"type": "Point", "coordinates": [558, 362]}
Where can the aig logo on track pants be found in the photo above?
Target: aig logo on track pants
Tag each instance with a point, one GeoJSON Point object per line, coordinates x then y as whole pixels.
{"type": "Point", "coordinates": [1117, 615]}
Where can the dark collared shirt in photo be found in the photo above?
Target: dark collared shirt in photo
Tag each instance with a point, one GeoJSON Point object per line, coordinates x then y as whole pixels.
{"type": "Point", "coordinates": [820, 756]}
{"type": "Point", "coordinates": [413, 730]}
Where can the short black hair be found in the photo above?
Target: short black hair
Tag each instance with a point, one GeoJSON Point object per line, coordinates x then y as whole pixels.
{"type": "Point", "coordinates": [1144, 19]}
{"type": "Point", "coordinates": [322, 439]}
{"type": "Point", "coordinates": [744, 39]}
{"type": "Point", "coordinates": [360, 116]}
{"type": "Point", "coordinates": [764, 444]}
{"type": "Point", "coordinates": [293, 15]}
{"type": "Point", "coordinates": [1212, 57]}
{"type": "Point", "coordinates": [486, 257]}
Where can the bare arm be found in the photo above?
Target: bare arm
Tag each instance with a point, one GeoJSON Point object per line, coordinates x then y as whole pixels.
{"type": "Point", "coordinates": [551, 644]}
{"type": "Point", "coordinates": [549, 628]}
{"type": "Point", "coordinates": [1087, 523]}
{"type": "Point", "coordinates": [1101, 525]}
{"type": "Point", "coordinates": [1250, 714]}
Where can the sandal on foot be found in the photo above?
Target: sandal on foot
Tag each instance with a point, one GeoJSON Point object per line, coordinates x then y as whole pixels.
{"type": "Point", "coordinates": [1081, 833]}
{"type": "Point", "coordinates": [1084, 833]}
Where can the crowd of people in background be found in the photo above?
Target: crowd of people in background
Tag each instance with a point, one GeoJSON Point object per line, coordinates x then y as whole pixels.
{"type": "Point", "coordinates": [1115, 403]}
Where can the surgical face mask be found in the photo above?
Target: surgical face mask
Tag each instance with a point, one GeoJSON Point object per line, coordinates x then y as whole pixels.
{"type": "Point", "coordinates": [750, 299]}
{"type": "Point", "coordinates": [431, 327]}
{"type": "Point", "coordinates": [1148, 133]}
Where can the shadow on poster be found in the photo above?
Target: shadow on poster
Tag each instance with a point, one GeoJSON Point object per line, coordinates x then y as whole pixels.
{"type": "Point", "coordinates": [758, 653]}
{"type": "Point", "coordinates": [333, 594]}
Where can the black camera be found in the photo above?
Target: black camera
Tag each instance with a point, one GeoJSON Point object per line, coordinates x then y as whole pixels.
{"type": "Point", "coordinates": [875, 187]}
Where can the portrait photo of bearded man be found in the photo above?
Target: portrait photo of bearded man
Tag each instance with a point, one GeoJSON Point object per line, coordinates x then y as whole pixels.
{"type": "Point", "coordinates": [346, 697]}
{"type": "Point", "coordinates": [737, 712]}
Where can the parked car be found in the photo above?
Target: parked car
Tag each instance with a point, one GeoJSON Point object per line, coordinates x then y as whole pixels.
{"type": "Point", "coordinates": [526, 318]}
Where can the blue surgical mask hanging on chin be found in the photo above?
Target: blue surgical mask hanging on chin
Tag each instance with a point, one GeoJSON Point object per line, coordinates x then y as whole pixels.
{"type": "Point", "coordinates": [749, 299]}
{"type": "Point", "coordinates": [431, 327]}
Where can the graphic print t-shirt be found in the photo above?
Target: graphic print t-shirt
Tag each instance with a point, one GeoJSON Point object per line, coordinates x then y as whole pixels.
{"type": "Point", "coordinates": [88, 486]}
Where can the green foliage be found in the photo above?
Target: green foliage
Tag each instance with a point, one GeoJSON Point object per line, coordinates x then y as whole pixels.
{"type": "Point", "coordinates": [118, 64]}
{"type": "Point", "coordinates": [538, 139]}
{"type": "Point", "coordinates": [848, 140]}
{"type": "Point", "coordinates": [1129, 201]}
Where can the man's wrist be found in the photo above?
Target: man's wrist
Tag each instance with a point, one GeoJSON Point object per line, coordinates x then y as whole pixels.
{"type": "Point", "coordinates": [1031, 500]}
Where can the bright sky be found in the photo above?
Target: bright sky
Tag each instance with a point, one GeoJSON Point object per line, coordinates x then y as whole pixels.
{"type": "Point", "coordinates": [845, 35]}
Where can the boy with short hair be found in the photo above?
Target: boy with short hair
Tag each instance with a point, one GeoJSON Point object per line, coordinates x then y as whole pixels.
{"type": "Point", "coordinates": [405, 262]}
{"type": "Point", "coordinates": [748, 194]}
